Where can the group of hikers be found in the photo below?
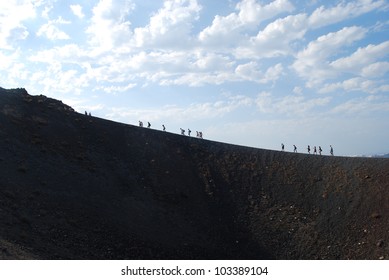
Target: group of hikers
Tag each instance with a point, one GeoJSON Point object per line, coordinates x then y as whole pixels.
{"type": "Point", "coordinates": [309, 149]}
{"type": "Point", "coordinates": [199, 134]}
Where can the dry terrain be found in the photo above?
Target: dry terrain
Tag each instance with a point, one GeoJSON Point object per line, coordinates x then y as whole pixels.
{"type": "Point", "coordinates": [79, 187]}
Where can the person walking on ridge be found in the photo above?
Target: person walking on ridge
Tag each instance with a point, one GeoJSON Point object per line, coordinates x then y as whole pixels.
{"type": "Point", "coordinates": [282, 147]}
{"type": "Point", "coordinates": [331, 151]}
{"type": "Point", "coordinates": [320, 150]}
{"type": "Point", "coordinates": [148, 124]}
{"type": "Point", "coordinates": [309, 149]}
{"type": "Point", "coordinates": [163, 127]}
{"type": "Point", "coordinates": [295, 149]}
{"type": "Point", "coordinates": [314, 150]}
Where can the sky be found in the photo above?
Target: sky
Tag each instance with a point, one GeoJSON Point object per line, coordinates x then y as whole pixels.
{"type": "Point", "coordinates": [248, 72]}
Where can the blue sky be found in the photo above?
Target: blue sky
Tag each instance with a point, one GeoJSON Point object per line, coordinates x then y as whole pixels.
{"type": "Point", "coordinates": [248, 72]}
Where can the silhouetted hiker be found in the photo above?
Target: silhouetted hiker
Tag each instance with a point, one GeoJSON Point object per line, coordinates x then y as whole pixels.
{"type": "Point", "coordinates": [295, 149]}
{"type": "Point", "coordinates": [148, 125]}
{"type": "Point", "coordinates": [197, 134]}
{"type": "Point", "coordinates": [140, 124]}
{"type": "Point", "coordinates": [163, 127]}
{"type": "Point", "coordinates": [282, 147]}
{"type": "Point", "coordinates": [314, 150]}
{"type": "Point", "coordinates": [86, 113]}
{"type": "Point", "coordinates": [320, 150]}
{"type": "Point", "coordinates": [182, 131]}
{"type": "Point", "coordinates": [331, 151]}
{"type": "Point", "coordinates": [200, 134]}
{"type": "Point", "coordinates": [309, 150]}
{"type": "Point", "coordinates": [189, 131]}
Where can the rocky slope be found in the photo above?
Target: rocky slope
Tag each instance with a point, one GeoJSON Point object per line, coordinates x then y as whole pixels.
{"type": "Point", "coordinates": [79, 187]}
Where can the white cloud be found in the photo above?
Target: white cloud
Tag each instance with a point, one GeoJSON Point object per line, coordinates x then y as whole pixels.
{"type": "Point", "coordinates": [199, 79]}
{"type": "Point", "coordinates": [174, 114]}
{"type": "Point", "coordinates": [353, 84]}
{"type": "Point", "coordinates": [12, 16]}
{"type": "Point", "coordinates": [365, 106]}
{"type": "Point", "coordinates": [210, 62]}
{"type": "Point", "coordinates": [374, 70]}
{"type": "Point", "coordinates": [362, 58]}
{"type": "Point", "coordinates": [46, 11]}
{"type": "Point", "coordinates": [363, 64]}
{"type": "Point", "coordinates": [172, 67]}
{"type": "Point", "coordinates": [344, 10]}
{"type": "Point", "coordinates": [250, 11]}
{"type": "Point", "coordinates": [226, 29]}
{"type": "Point", "coordinates": [275, 39]}
{"type": "Point", "coordinates": [52, 32]}
{"type": "Point", "coordinates": [273, 73]}
{"type": "Point", "coordinates": [77, 10]}
{"type": "Point", "coordinates": [251, 72]}
{"type": "Point", "coordinates": [264, 102]}
{"type": "Point", "coordinates": [116, 89]}
{"type": "Point", "coordinates": [70, 53]}
{"type": "Point", "coordinates": [298, 90]}
{"type": "Point", "coordinates": [153, 66]}
{"type": "Point", "coordinates": [7, 59]}
{"type": "Point", "coordinates": [170, 27]}
{"type": "Point", "coordinates": [56, 80]}
{"type": "Point", "coordinates": [153, 54]}
{"type": "Point", "coordinates": [313, 63]}
{"type": "Point", "coordinates": [109, 24]}
{"type": "Point", "coordinates": [289, 104]}
{"type": "Point", "coordinates": [65, 69]}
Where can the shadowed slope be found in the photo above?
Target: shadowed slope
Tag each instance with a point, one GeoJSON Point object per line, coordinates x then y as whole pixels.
{"type": "Point", "coordinates": [78, 187]}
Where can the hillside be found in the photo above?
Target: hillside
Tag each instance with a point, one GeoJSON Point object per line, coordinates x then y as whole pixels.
{"type": "Point", "coordinates": [79, 187]}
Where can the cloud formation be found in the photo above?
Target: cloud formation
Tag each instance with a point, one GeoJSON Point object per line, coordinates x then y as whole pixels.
{"type": "Point", "coordinates": [274, 58]}
{"type": "Point", "coordinates": [77, 11]}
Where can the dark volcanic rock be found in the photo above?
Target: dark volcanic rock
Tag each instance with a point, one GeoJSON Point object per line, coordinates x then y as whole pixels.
{"type": "Point", "coordinates": [79, 187]}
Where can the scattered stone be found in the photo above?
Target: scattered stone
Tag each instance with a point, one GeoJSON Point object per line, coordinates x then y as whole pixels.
{"type": "Point", "coordinates": [376, 215]}
{"type": "Point", "coordinates": [380, 243]}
